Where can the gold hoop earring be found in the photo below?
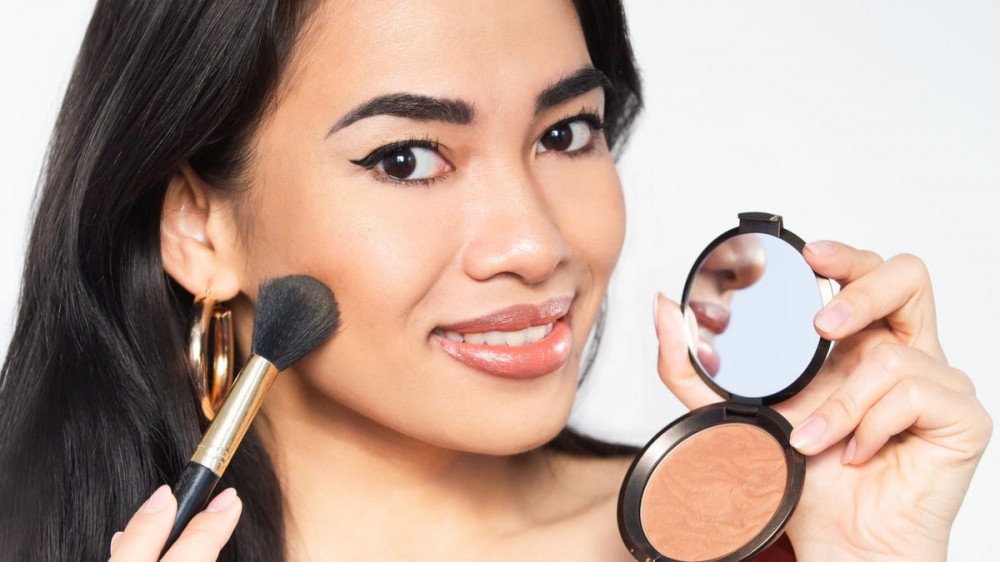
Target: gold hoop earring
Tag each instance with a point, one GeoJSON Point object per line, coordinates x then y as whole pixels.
{"type": "Point", "coordinates": [211, 351]}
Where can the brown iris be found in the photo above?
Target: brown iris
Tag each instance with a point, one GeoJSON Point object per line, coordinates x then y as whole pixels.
{"type": "Point", "coordinates": [400, 164]}
{"type": "Point", "coordinates": [558, 138]}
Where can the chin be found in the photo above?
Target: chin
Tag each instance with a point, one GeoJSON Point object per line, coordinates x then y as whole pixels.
{"type": "Point", "coordinates": [505, 432]}
{"type": "Point", "coordinates": [463, 410]}
{"type": "Point", "coordinates": [521, 440]}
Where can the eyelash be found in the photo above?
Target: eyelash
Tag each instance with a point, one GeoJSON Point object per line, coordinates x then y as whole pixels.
{"type": "Point", "coordinates": [374, 157]}
{"type": "Point", "coordinates": [369, 162]}
{"type": "Point", "coordinates": [589, 116]}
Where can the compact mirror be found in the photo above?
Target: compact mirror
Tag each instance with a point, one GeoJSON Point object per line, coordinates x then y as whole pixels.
{"type": "Point", "coordinates": [720, 483]}
{"type": "Point", "coordinates": [749, 304]}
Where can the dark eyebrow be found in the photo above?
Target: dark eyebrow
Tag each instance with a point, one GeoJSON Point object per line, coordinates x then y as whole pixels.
{"type": "Point", "coordinates": [576, 84]}
{"type": "Point", "coordinates": [410, 106]}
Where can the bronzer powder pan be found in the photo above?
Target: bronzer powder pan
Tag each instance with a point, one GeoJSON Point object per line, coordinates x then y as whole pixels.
{"type": "Point", "coordinates": [714, 492]}
{"type": "Point", "coordinates": [721, 482]}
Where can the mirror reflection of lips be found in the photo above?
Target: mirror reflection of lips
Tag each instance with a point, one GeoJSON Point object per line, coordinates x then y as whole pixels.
{"type": "Point", "coordinates": [712, 319]}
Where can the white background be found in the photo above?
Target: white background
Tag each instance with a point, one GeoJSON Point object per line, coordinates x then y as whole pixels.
{"type": "Point", "coordinates": [871, 122]}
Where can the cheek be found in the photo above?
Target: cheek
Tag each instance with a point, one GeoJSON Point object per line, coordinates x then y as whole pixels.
{"type": "Point", "coordinates": [590, 210]}
{"type": "Point", "coordinates": [369, 243]}
{"type": "Point", "coordinates": [372, 245]}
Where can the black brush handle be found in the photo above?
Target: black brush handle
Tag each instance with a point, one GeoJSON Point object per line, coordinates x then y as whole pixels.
{"type": "Point", "coordinates": [192, 491]}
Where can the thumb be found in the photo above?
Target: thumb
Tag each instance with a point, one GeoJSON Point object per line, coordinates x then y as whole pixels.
{"type": "Point", "coordinates": [673, 363]}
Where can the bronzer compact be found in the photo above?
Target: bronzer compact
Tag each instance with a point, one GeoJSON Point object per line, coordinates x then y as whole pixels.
{"type": "Point", "coordinates": [721, 482]}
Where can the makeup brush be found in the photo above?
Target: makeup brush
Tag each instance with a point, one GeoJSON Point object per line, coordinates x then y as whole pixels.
{"type": "Point", "coordinates": [295, 314]}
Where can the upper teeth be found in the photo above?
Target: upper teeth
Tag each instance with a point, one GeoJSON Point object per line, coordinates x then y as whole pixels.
{"type": "Point", "coordinates": [706, 335]}
{"type": "Point", "coordinates": [520, 337]}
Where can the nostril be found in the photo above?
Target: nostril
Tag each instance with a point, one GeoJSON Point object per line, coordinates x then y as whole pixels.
{"type": "Point", "coordinates": [531, 252]}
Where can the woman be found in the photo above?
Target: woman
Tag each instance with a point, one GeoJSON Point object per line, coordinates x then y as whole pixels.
{"type": "Point", "coordinates": [443, 167]}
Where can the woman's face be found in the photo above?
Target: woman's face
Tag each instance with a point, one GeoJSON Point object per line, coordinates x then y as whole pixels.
{"type": "Point", "coordinates": [436, 164]}
{"type": "Point", "coordinates": [735, 264]}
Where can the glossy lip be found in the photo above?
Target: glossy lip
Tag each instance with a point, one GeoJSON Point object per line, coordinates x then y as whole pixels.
{"type": "Point", "coordinates": [513, 318]}
{"type": "Point", "coordinates": [514, 362]}
{"type": "Point", "coordinates": [713, 317]}
{"type": "Point", "coordinates": [709, 358]}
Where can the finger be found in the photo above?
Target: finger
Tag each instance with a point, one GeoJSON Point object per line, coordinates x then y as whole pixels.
{"type": "Point", "coordinates": [673, 363]}
{"type": "Point", "coordinates": [884, 368]}
{"type": "Point", "coordinates": [840, 262]}
{"type": "Point", "coordinates": [925, 408]}
{"type": "Point", "coordinates": [209, 531]}
{"type": "Point", "coordinates": [898, 291]}
{"type": "Point", "coordinates": [147, 531]}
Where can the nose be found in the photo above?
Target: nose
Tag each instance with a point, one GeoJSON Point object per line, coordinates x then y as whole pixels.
{"type": "Point", "coordinates": [736, 263]}
{"type": "Point", "coordinates": [513, 232]}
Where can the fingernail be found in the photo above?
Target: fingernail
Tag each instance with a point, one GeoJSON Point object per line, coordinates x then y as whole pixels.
{"type": "Point", "coordinates": [822, 248]}
{"type": "Point", "coordinates": [656, 311]}
{"type": "Point", "coordinates": [809, 433]}
{"type": "Point", "coordinates": [835, 315]}
{"type": "Point", "coordinates": [114, 541]}
{"type": "Point", "coordinates": [222, 501]}
{"type": "Point", "coordinates": [849, 451]}
{"type": "Point", "coordinates": [159, 500]}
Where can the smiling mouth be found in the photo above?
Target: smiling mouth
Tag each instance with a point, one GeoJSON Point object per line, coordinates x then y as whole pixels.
{"type": "Point", "coordinates": [712, 319]}
{"type": "Point", "coordinates": [518, 342]}
{"type": "Point", "coordinates": [526, 336]}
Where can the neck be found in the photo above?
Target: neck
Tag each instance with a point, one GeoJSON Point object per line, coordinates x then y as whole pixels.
{"type": "Point", "coordinates": [351, 483]}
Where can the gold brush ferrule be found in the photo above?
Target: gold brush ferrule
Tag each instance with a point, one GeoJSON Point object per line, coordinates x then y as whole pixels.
{"type": "Point", "coordinates": [237, 412]}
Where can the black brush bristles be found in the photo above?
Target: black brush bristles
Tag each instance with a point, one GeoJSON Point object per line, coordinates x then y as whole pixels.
{"type": "Point", "coordinates": [294, 315]}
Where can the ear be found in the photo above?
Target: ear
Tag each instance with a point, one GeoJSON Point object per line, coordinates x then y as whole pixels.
{"type": "Point", "coordinates": [198, 241]}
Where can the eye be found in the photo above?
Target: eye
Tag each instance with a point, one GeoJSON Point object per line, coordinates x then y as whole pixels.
{"type": "Point", "coordinates": [413, 163]}
{"type": "Point", "coordinates": [406, 162]}
{"type": "Point", "coordinates": [571, 135]}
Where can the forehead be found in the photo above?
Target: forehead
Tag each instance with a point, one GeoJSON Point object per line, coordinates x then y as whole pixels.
{"type": "Point", "coordinates": [488, 51]}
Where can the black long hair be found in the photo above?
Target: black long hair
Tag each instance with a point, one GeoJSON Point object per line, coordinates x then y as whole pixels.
{"type": "Point", "coordinates": [96, 402]}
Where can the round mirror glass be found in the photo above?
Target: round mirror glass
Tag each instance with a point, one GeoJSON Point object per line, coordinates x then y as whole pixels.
{"type": "Point", "coordinates": [750, 309]}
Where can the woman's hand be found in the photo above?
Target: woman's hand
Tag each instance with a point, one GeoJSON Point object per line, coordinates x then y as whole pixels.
{"type": "Point", "coordinates": [892, 433]}
{"type": "Point", "coordinates": [203, 538]}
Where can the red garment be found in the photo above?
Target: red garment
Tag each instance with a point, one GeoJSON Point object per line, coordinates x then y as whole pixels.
{"type": "Point", "coordinates": [780, 551]}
